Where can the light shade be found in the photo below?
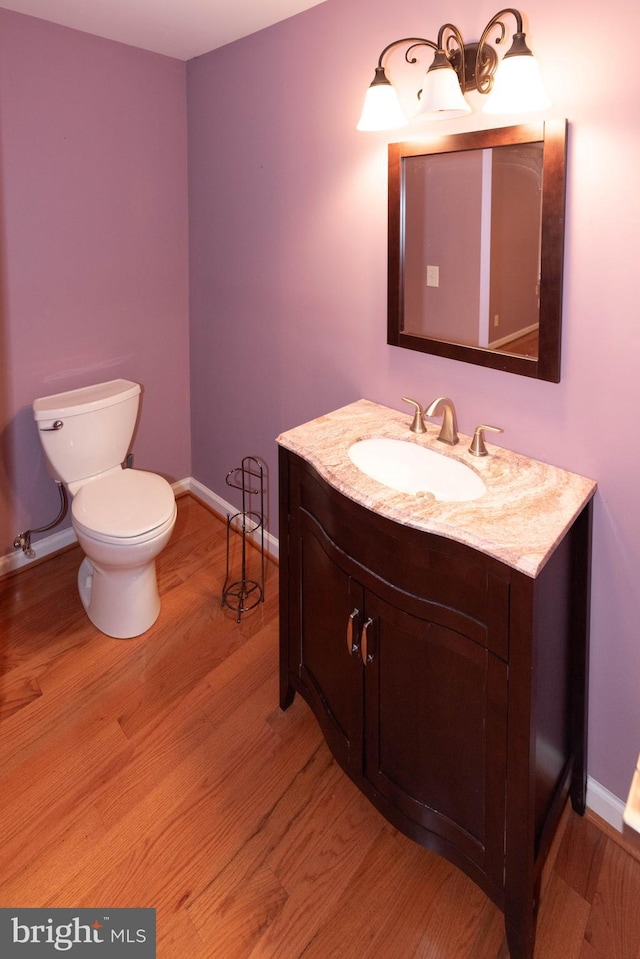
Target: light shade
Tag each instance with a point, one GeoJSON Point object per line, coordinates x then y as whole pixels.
{"type": "Point", "coordinates": [381, 109]}
{"type": "Point", "coordinates": [517, 87]}
{"type": "Point", "coordinates": [441, 97]}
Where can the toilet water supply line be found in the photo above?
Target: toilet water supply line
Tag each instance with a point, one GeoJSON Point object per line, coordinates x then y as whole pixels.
{"type": "Point", "coordinates": [23, 540]}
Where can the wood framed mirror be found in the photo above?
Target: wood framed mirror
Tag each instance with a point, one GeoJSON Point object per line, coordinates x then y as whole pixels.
{"type": "Point", "coordinates": [476, 247]}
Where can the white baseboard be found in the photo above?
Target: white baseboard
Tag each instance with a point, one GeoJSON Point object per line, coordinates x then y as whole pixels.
{"type": "Point", "coordinates": [504, 340]}
{"type": "Point", "coordinates": [182, 486]}
{"type": "Point", "coordinates": [51, 544]}
{"type": "Point", "coordinates": [604, 804]}
{"type": "Point", "coordinates": [11, 562]}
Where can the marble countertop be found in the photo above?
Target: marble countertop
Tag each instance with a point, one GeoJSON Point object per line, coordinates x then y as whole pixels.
{"type": "Point", "coordinates": [521, 518]}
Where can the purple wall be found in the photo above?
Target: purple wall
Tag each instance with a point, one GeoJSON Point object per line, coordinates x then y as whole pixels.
{"type": "Point", "coordinates": [94, 246]}
{"type": "Point", "coordinates": [288, 281]}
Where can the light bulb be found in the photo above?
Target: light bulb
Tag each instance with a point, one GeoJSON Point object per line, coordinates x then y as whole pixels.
{"type": "Point", "coordinates": [381, 109]}
{"type": "Point", "coordinates": [517, 87]}
{"type": "Point", "coordinates": [441, 97]}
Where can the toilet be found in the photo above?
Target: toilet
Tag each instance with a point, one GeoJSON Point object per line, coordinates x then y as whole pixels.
{"type": "Point", "coordinates": [123, 518]}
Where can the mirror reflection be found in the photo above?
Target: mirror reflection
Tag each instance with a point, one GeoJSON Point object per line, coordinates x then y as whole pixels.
{"type": "Point", "coordinates": [475, 279]}
{"type": "Point", "coordinates": [476, 225]}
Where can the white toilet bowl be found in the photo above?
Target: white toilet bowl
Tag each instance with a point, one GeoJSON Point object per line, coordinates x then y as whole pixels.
{"type": "Point", "coordinates": [122, 517]}
{"type": "Point", "coordinates": [123, 520]}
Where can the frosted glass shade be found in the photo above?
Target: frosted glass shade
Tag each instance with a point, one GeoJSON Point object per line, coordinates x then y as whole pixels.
{"type": "Point", "coordinates": [442, 98]}
{"type": "Point", "coordinates": [517, 87]}
{"type": "Point", "coordinates": [381, 110]}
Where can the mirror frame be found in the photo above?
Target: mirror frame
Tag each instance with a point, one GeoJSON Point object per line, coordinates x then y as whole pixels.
{"type": "Point", "coordinates": [553, 134]}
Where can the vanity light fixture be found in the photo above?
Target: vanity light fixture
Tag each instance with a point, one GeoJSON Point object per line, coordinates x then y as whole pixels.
{"type": "Point", "coordinates": [512, 85]}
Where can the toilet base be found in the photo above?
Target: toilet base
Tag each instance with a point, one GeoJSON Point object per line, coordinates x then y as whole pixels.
{"type": "Point", "coordinates": [121, 603]}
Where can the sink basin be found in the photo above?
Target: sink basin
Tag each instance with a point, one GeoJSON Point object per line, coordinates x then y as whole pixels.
{"type": "Point", "coordinates": [410, 468]}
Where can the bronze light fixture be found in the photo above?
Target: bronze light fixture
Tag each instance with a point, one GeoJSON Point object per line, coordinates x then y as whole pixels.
{"type": "Point", "coordinates": [512, 84]}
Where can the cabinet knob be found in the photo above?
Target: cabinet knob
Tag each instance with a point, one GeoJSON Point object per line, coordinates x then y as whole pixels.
{"type": "Point", "coordinates": [352, 636]}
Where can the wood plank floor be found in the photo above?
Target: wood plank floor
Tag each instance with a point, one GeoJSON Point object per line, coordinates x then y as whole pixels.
{"type": "Point", "coordinates": [159, 771]}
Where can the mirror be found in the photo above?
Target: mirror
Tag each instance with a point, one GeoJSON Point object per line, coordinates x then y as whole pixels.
{"type": "Point", "coordinates": [476, 240]}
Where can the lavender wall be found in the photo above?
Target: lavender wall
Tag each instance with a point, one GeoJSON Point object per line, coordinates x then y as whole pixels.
{"type": "Point", "coordinates": [94, 245]}
{"type": "Point", "coordinates": [288, 285]}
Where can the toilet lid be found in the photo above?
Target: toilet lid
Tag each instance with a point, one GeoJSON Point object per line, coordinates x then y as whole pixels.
{"type": "Point", "coordinates": [125, 503]}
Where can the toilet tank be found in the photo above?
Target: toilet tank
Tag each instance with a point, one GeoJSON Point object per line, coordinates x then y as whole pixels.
{"type": "Point", "coordinates": [87, 431]}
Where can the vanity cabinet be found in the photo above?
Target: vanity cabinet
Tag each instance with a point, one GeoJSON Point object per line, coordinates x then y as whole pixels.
{"type": "Point", "coordinates": [449, 686]}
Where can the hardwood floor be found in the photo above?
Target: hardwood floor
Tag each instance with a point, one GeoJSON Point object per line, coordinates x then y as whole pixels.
{"type": "Point", "coordinates": [160, 771]}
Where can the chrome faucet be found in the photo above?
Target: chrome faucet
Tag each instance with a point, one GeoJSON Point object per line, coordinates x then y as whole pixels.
{"type": "Point", "coordinates": [449, 430]}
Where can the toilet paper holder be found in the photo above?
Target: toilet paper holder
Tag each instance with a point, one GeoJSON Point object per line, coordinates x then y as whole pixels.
{"type": "Point", "coordinates": [244, 593]}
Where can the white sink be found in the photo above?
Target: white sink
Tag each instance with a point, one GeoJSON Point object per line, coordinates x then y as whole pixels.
{"type": "Point", "coordinates": [410, 468]}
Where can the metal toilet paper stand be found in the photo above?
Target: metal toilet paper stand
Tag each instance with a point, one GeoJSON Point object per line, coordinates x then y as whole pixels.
{"type": "Point", "coordinates": [244, 593]}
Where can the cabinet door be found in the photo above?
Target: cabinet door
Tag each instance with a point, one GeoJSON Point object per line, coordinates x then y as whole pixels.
{"type": "Point", "coordinates": [435, 732]}
{"type": "Point", "coordinates": [330, 668]}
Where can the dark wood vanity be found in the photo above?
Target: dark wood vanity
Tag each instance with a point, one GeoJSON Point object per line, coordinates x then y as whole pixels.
{"type": "Point", "coordinates": [450, 686]}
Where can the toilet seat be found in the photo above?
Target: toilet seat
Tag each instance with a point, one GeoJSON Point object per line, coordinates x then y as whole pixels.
{"type": "Point", "coordinates": [127, 506]}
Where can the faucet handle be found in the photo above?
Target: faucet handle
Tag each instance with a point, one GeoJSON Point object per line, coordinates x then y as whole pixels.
{"type": "Point", "coordinates": [478, 447]}
{"type": "Point", "coordinates": [417, 425]}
